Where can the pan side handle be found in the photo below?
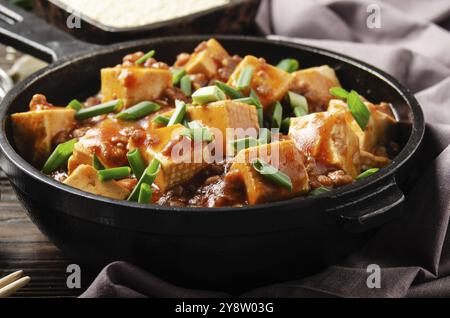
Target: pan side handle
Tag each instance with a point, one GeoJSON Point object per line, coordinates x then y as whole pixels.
{"type": "Point", "coordinates": [32, 35]}
{"type": "Point", "coordinates": [362, 211]}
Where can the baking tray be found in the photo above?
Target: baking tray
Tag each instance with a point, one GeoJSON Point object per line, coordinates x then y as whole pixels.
{"type": "Point", "coordinates": [236, 17]}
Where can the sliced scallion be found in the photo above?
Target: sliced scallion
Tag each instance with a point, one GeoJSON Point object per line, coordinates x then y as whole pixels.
{"type": "Point", "coordinates": [259, 108]}
{"type": "Point", "coordinates": [114, 173]}
{"type": "Point", "coordinates": [96, 163]}
{"type": "Point", "coordinates": [319, 191]}
{"type": "Point", "coordinates": [161, 120]}
{"type": "Point", "coordinates": [339, 92]}
{"type": "Point", "coordinates": [186, 85]}
{"type": "Point", "coordinates": [138, 111]}
{"type": "Point", "coordinates": [198, 134]}
{"type": "Point", "coordinates": [358, 109]}
{"type": "Point", "coordinates": [145, 194]}
{"type": "Point", "coordinates": [146, 56]}
{"type": "Point", "coordinates": [179, 114]}
{"type": "Point", "coordinates": [277, 116]}
{"type": "Point", "coordinates": [299, 104]}
{"type": "Point", "coordinates": [59, 157]}
{"type": "Point", "coordinates": [137, 163]}
{"type": "Point", "coordinates": [229, 91]}
{"type": "Point", "coordinates": [75, 105]}
{"type": "Point", "coordinates": [244, 143]}
{"type": "Point", "coordinates": [177, 75]}
{"type": "Point", "coordinates": [289, 65]}
{"type": "Point", "coordinates": [148, 177]}
{"type": "Point", "coordinates": [98, 110]}
{"type": "Point", "coordinates": [273, 174]}
{"type": "Point", "coordinates": [207, 95]}
{"type": "Point", "coordinates": [367, 174]}
{"type": "Point", "coordinates": [264, 136]}
{"type": "Point", "coordinates": [245, 78]}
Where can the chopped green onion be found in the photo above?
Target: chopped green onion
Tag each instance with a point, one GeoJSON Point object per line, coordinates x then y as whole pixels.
{"type": "Point", "coordinates": [208, 94]}
{"type": "Point", "coordinates": [114, 173]}
{"type": "Point", "coordinates": [148, 177]}
{"type": "Point", "coordinates": [367, 174]}
{"type": "Point", "coordinates": [75, 105]}
{"type": "Point", "coordinates": [177, 75]}
{"type": "Point", "coordinates": [264, 136]}
{"type": "Point", "coordinates": [319, 191]}
{"type": "Point", "coordinates": [339, 92]}
{"type": "Point", "coordinates": [229, 91]}
{"type": "Point", "coordinates": [145, 194]}
{"type": "Point", "coordinates": [98, 110]}
{"type": "Point", "coordinates": [138, 111]}
{"type": "Point", "coordinates": [245, 78]}
{"type": "Point", "coordinates": [277, 116]}
{"type": "Point", "coordinates": [186, 85]}
{"type": "Point", "coordinates": [273, 174]}
{"type": "Point", "coordinates": [285, 125]}
{"type": "Point", "coordinates": [198, 134]}
{"type": "Point", "coordinates": [162, 120]}
{"type": "Point", "coordinates": [59, 157]}
{"type": "Point", "coordinates": [298, 103]}
{"type": "Point", "coordinates": [247, 100]}
{"type": "Point", "coordinates": [244, 143]}
{"type": "Point", "coordinates": [289, 65]}
{"type": "Point", "coordinates": [259, 108]}
{"type": "Point", "coordinates": [358, 109]}
{"type": "Point", "coordinates": [96, 163]}
{"type": "Point", "coordinates": [179, 114]}
{"type": "Point", "coordinates": [143, 59]}
{"type": "Point", "coordinates": [137, 163]}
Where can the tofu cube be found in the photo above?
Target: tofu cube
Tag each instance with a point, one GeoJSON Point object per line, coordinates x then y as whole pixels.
{"type": "Point", "coordinates": [379, 128]}
{"type": "Point", "coordinates": [315, 83]}
{"type": "Point", "coordinates": [329, 139]}
{"type": "Point", "coordinates": [134, 84]}
{"type": "Point", "coordinates": [282, 155]}
{"type": "Point", "coordinates": [270, 83]}
{"type": "Point", "coordinates": [207, 58]}
{"type": "Point", "coordinates": [98, 140]}
{"type": "Point", "coordinates": [225, 115]}
{"type": "Point", "coordinates": [85, 178]}
{"type": "Point", "coordinates": [34, 131]}
{"type": "Point", "coordinates": [179, 160]}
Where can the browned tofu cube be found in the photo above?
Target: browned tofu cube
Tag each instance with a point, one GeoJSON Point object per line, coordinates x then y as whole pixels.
{"type": "Point", "coordinates": [315, 84]}
{"type": "Point", "coordinates": [329, 139]}
{"type": "Point", "coordinates": [206, 59]}
{"type": "Point", "coordinates": [34, 131]}
{"type": "Point", "coordinates": [99, 140]}
{"type": "Point", "coordinates": [270, 83]}
{"type": "Point", "coordinates": [225, 115]}
{"type": "Point", "coordinates": [134, 84]}
{"type": "Point", "coordinates": [85, 178]}
{"type": "Point", "coordinates": [282, 155]}
{"type": "Point", "coordinates": [179, 162]}
{"type": "Point", "coordinates": [379, 128]}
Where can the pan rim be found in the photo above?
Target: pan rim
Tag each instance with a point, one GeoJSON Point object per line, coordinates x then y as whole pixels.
{"type": "Point", "coordinates": [410, 148]}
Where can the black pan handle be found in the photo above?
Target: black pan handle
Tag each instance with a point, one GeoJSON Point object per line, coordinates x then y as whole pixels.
{"type": "Point", "coordinates": [34, 36]}
{"type": "Point", "coordinates": [369, 208]}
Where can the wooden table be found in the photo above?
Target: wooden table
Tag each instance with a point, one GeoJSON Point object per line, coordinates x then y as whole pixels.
{"type": "Point", "coordinates": [23, 246]}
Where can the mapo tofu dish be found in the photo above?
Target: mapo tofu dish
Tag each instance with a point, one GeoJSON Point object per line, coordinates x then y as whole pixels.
{"type": "Point", "coordinates": [211, 130]}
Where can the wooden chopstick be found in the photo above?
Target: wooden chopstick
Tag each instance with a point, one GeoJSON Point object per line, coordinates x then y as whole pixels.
{"type": "Point", "coordinates": [12, 283]}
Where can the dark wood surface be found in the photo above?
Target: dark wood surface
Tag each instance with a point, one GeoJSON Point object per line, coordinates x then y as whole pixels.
{"type": "Point", "coordinates": [24, 247]}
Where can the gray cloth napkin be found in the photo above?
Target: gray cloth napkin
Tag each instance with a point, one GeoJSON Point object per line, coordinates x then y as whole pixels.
{"type": "Point", "coordinates": [413, 252]}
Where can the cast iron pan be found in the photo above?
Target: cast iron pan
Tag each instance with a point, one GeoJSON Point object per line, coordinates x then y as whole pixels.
{"type": "Point", "coordinates": [223, 249]}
